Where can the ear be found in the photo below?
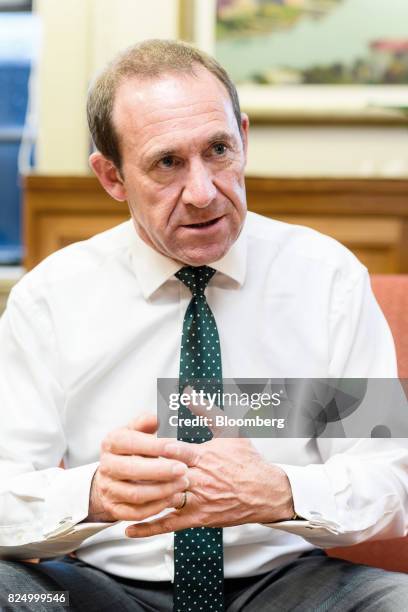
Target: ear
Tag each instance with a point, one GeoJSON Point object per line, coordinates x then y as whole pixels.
{"type": "Point", "coordinates": [108, 175]}
{"type": "Point", "coordinates": [244, 133]}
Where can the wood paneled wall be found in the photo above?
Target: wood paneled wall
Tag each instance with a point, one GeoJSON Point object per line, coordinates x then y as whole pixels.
{"type": "Point", "coordinates": [369, 216]}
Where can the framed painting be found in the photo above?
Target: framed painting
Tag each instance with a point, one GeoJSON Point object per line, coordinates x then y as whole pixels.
{"type": "Point", "coordinates": [309, 60]}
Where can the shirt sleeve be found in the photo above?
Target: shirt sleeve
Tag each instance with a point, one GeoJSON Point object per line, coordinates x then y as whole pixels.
{"type": "Point", "coordinates": [40, 504]}
{"type": "Point", "coordinates": [359, 490]}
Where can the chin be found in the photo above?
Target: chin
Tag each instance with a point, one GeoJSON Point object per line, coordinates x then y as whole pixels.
{"type": "Point", "coordinates": [203, 256]}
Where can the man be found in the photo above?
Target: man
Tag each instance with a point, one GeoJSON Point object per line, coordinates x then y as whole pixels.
{"type": "Point", "coordinates": [88, 332]}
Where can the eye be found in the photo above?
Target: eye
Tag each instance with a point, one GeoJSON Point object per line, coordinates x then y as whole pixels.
{"type": "Point", "coordinates": [219, 148]}
{"type": "Point", "coordinates": [168, 162]}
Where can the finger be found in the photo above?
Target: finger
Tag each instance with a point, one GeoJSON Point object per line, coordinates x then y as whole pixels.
{"type": "Point", "coordinates": [120, 467]}
{"type": "Point", "coordinates": [178, 500]}
{"type": "Point", "coordinates": [186, 452]}
{"type": "Point", "coordinates": [131, 442]}
{"type": "Point", "coordinates": [208, 415]}
{"type": "Point", "coordinates": [139, 493]}
{"type": "Point", "coordinates": [128, 512]}
{"type": "Point", "coordinates": [171, 522]}
{"type": "Point", "coordinates": [218, 431]}
{"type": "Point", "coordinates": [146, 422]}
{"type": "Point", "coordinates": [204, 409]}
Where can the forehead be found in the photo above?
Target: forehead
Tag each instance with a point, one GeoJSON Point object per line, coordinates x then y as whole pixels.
{"type": "Point", "coordinates": [171, 107]}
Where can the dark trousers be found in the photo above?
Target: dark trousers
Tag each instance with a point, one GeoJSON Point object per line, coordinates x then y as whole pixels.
{"type": "Point", "coordinates": [313, 582]}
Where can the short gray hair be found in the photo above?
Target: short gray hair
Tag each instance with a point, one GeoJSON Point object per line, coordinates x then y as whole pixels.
{"type": "Point", "coordinates": [147, 60]}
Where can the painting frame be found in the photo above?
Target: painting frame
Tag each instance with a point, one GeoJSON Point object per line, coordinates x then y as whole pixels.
{"type": "Point", "coordinates": [321, 104]}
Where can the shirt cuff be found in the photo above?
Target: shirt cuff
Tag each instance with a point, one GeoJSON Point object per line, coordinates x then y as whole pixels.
{"type": "Point", "coordinates": [65, 542]}
{"type": "Point", "coordinates": [313, 500]}
{"type": "Point", "coordinates": [68, 501]}
{"type": "Point", "coordinates": [44, 504]}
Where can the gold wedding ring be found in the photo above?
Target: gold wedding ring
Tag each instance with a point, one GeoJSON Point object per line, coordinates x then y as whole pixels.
{"type": "Point", "coordinates": [183, 502]}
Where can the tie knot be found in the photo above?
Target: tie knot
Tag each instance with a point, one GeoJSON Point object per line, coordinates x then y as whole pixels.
{"type": "Point", "coordinates": [196, 279]}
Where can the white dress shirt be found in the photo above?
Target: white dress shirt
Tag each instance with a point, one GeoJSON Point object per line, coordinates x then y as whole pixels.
{"type": "Point", "coordinates": [87, 333]}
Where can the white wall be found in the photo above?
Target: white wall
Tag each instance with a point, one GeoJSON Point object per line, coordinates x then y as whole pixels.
{"type": "Point", "coordinates": [119, 23]}
{"type": "Point", "coordinates": [79, 36]}
{"type": "Point", "coordinates": [319, 151]}
{"type": "Point", "coordinates": [63, 143]}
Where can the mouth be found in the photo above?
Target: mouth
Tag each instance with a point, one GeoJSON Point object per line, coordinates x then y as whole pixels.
{"type": "Point", "coordinates": [203, 224]}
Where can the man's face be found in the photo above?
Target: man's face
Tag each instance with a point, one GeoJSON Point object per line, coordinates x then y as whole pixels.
{"type": "Point", "coordinates": [183, 160]}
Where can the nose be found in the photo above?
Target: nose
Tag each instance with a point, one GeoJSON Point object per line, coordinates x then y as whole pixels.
{"type": "Point", "coordinates": [199, 189]}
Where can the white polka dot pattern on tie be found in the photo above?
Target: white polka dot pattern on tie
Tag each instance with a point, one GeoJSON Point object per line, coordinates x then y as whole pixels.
{"type": "Point", "coordinates": [198, 552]}
{"type": "Point", "coordinates": [198, 362]}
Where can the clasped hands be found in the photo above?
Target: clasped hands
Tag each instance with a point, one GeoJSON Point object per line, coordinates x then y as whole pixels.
{"type": "Point", "coordinates": [227, 480]}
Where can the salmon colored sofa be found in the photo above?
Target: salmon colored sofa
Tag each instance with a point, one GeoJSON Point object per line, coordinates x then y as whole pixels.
{"type": "Point", "coordinates": [391, 292]}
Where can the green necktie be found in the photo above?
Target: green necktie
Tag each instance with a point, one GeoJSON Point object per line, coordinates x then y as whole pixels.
{"type": "Point", "coordinates": [198, 552]}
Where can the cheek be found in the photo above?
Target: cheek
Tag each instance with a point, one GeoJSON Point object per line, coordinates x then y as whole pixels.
{"type": "Point", "coordinates": [232, 184]}
{"type": "Point", "coordinates": [164, 220]}
{"type": "Point", "coordinates": [240, 195]}
{"type": "Point", "coordinates": [154, 204]}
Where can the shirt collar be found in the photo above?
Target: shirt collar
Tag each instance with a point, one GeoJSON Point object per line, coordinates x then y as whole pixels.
{"type": "Point", "coordinates": [153, 269]}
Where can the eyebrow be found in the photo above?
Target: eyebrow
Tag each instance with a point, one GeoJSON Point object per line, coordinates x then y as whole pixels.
{"type": "Point", "coordinates": [221, 135]}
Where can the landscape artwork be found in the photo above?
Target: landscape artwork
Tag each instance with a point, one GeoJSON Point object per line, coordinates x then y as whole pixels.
{"type": "Point", "coordinates": [316, 42]}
